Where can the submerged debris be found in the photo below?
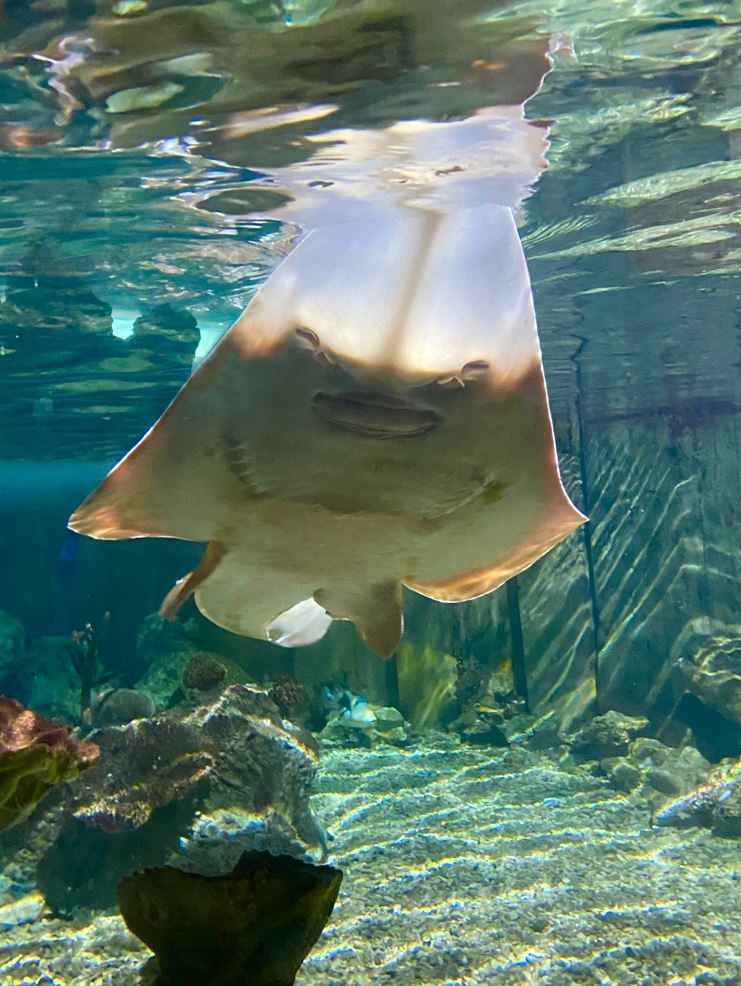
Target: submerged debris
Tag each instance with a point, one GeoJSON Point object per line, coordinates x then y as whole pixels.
{"type": "Point", "coordinates": [35, 754]}
{"type": "Point", "coordinates": [255, 925]}
{"type": "Point", "coordinates": [715, 804]}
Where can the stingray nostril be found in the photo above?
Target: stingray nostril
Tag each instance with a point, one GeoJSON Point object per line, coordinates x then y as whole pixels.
{"type": "Point", "coordinates": [307, 338]}
{"type": "Point", "coordinates": [477, 369]}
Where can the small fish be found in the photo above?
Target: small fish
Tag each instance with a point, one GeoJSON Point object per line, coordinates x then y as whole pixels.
{"type": "Point", "coordinates": [359, 714]}
{"type": "Point", "coordinates": [353, 709]}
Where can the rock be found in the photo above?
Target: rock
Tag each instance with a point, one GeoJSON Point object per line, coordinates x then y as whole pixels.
{"type": "Point", "coordinates": [194, 786]}
{"type": "Point", "coordinates": [395, 737]}
{"type": "Point", "coordinates": [254, 925]}
{"type": "Point", "coordinates": [23, 910]}
{"type": "Point", "coordinates": [55, 685]}
{"type": "Point", "coordinates": [35, 754]}
{"type": "Point", "coordinates": [535, 734]}
{"type": "Point", "coordinates": [667, 770]}
{"type": "Point", "coordinates": [173, 333]}
{"type": "Point", "coordinates": [159, 637]}
{"type": "Point", "coordinates": [389, 727]}
{"type": "Point", "coordinates": [482, 726]}
{"type": "Point", "coordinates": [622, 773]}
{"type": "Point", "coordinates": [719, 688]}
{"type": "Point", "coordinates": [714, 804]}
{"type": "Point", "coordinates": [664, 781]}
{"type": "Point", "coordinates": [386, 725]}
{"type": "Point", "coordinates": [492, 711]}
{"type": "Point", "coordinates": [118, 706]}
{"type": "Point", "coordinates": [165, 648]}
{"type": "Point", "coordinates": [608, 735]}
{"type": "Point", "coordinates": [12, 643]}
{"type": "Point", "coordinates": [657, 768]}
{"type": "Point", "coordinates": [144, 766]}
{"type": "Point", "coordinates": [337, 734]}
{"type": "Point", "coordinates": [388, 717]}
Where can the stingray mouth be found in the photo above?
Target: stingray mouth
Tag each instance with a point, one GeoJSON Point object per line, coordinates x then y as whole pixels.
{"type": "Point", "coordinates": [376, 415]}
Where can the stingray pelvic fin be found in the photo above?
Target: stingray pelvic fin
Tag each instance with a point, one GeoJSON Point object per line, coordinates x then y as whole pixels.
{"type": "Point", "coordinates": [376, 612]}
{"type": "Point", "coordinates": [185, 587]}
{"type": "Point", "coordinates": [302, 624]}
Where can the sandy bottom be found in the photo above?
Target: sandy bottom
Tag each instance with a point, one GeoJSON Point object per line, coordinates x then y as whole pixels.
{"type": "Point", "coordinates": [466, 866]}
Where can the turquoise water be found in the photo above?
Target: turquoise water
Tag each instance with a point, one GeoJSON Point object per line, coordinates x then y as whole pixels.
{"type": "Point", "coordinates": [157, 162]}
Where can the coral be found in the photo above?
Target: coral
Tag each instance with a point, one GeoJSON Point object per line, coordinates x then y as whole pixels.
{"type": "Point", "coordinates": [195, 786]}
{"type": "Point", "coordinates": [34, 755]}
{"type": "Point", "coordinates": [256, 924]}
{"type": "Point", "coordinates": [118, 706]}
{"type": "Point", "coordinates": [203, 672]}
{"type": "Point", "coordinates": [608, 735]}
{"type": "Point", "coordinates": [288, 694]}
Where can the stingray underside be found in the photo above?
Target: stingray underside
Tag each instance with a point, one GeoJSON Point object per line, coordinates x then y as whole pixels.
{"type": "Point", "coordinates": [376, 417]}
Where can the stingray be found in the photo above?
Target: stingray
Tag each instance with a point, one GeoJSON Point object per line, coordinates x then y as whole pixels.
{"type": "Point", "coordinates": [377, 417]}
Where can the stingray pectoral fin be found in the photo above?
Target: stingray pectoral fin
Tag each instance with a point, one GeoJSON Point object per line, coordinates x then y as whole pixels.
{"type": "Point", "coordinates": [561, 521]}
{"type": "Point", "coordinates": [302, 624]}
{"type": "Point", "coordinates": [376, 611]}
{"type": "Point", "coordinates": [185, 587]}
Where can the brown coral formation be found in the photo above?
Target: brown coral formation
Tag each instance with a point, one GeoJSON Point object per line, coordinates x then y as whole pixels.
{"type": "Point", "coordinates": [35, 754]}
{"type": "Point", "coordinates": [288, 694]}
{"type": "Point", "coordinates": [254, 925]}
{"type": "Point", "coordinates": [203, 672]}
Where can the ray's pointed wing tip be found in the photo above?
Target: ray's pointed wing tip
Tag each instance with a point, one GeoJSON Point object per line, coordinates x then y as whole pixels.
{"type": "Point", "coordinates": [82, 521]}
{"type": "Point", "coordinates": [101, 520]}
